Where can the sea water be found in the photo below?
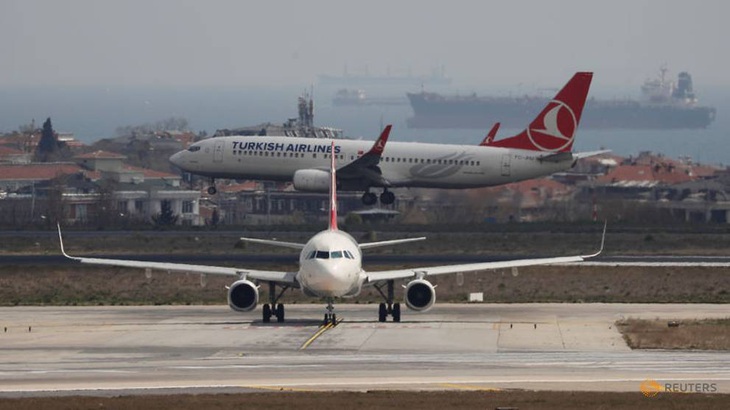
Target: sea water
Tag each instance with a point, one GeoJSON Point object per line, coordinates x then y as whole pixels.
{"type": "Point", "coordinates": [92, 113]}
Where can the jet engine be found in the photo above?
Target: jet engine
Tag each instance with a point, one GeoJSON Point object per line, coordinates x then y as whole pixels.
{"type": "Point", "coordinates": [311, 180]}
{"type": "Point", "coordinates": [420, 295]}
{"type": "Point", "coordinates": [243, 296]}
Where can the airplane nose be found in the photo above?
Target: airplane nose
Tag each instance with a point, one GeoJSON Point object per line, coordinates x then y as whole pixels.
{"type": "Point", "coordinates": [176, 159]}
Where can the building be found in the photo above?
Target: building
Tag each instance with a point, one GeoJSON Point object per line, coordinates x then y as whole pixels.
{"type": "Point", "coordinates": [98, 188]}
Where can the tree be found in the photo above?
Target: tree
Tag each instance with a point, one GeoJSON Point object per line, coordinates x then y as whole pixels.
{"type": "Point", "coordinates": [48, 145]}
{"type": "Point", "coordinates": [49, 149]}
{"type": "Point", "coordinates": [166, 217]}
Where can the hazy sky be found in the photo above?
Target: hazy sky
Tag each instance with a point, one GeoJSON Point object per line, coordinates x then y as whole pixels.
{"type": "Point", "coordinates": [233, 43]}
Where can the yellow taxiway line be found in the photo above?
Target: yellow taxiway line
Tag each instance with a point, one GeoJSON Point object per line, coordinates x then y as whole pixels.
{"type": "Point", "coordinates": [319, 333]}
{"type": "Point", "coordinates": [457, 386]}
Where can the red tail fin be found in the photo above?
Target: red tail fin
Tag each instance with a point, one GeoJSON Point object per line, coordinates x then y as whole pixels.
{"type": "Point", "coordinates": [554, 129]}
{"type": "Point", "coordinates": [333, 190]}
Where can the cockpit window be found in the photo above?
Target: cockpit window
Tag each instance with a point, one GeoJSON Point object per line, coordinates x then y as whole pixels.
{"type": "Point", "coordinates": [194, 148]}
{"type": "Point", "coordinates": [330, 255]}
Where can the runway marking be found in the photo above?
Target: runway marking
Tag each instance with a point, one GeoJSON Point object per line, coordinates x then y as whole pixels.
{"type": "Point", "coordinates": [319, 333]}
{"type": "Point", "coordinates": [468, 387]}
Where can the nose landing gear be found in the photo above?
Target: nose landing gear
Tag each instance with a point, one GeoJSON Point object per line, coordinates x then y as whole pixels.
{"type": "Point", "coordinates": [330, 318]}
{"type": "Point", "coordinates": [212, 190]}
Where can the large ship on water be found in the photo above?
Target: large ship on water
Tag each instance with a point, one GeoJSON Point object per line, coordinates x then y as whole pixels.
{"type": "Point", "coordinates": [665, 104]}
{"type": "Point", "coordinates": [365, 79]}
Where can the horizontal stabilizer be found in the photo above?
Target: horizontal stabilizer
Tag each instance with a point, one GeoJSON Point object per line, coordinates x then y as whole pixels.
{"type": "Point", "coordinates": [559, 157]}
{"type": "Point", "coordinates": [579, 155]}
{"type": "Point", "coordinates": [280, 244]}
{"type": "Point", "coordinates": [388, 243]}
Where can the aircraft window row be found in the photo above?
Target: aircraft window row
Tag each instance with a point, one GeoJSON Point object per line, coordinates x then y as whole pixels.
{"type": "Point", "coordinates": [279, 154]}
{"type": "Point", "coordinates": [432, 161]}
{"type": "Point", "coordinates": [268, 154]}
{"type": "Point", "coordinates": [330, 255]}
{"type": "Point", "coordinates": [352, 157]}
{"type": "Point", "coordinates": [194, 148]}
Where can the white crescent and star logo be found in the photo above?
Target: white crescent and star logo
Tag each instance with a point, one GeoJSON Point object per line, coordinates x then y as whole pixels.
{"type": "Point", "coordinates": [559, 125]}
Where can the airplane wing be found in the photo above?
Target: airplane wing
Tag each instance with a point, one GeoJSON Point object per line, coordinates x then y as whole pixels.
{"type": "Point", "coordinates": [366, 166]}
{"type": "Point", "coordinates": [288, 278]}
{"type": "Point", "coordinates": [420, 273]}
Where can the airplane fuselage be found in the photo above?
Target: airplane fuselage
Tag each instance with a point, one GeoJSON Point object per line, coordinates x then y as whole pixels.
{"type": "Point", "coordinates": [330, 265]}
{"type": "Point", "coordinates": [403, 164]}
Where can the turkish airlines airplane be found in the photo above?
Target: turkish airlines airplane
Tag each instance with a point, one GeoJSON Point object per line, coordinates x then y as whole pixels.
{"type": "Point", "coordinates": [330, 266]}
{"type": "Point", "coordinates": [543, 148]}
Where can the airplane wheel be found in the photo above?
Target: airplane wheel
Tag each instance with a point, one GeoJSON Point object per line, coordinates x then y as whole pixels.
{"type": "Point", "coordinates": [212, 190]}
{"type": "Point", "coordinates": [396, 312]}
{"type": "Point", "coordinates": [266, 313]}
{"type": "Point", "coordinates": [369, 198]}
{"type": "Point", "coordinates": [280, 312]}
{"type": "Point", "coordinates": [387, 198]}
{"type": "Point", "coordinates": [382, 312]}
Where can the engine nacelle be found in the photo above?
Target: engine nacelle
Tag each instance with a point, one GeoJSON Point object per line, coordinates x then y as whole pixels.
{"type": "Point", "coordinates": [420, 295]}
{"type": "Point", "coordinates": [311, 180]}
{"type": "Point", "coordinates": [243, 296]}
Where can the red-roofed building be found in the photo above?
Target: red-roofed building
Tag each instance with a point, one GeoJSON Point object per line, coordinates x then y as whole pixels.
{"type": "Point", "coordinates": [13, 177]}
{"type": "Point", "coordinates": [10, 155]}
{"type": "Point", "coordinates": [643, 176]}
{"type": "Point", "coordinates": [101, 161]}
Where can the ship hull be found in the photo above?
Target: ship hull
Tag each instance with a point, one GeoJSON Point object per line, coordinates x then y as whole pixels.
{"type": "Point", "coordinates": [435, 111]}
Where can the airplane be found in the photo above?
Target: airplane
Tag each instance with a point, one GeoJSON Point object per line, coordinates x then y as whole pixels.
{"type": "Point", "coordinates": [543, 148]}
{"type": "Point", "coordinates": [330, 266]}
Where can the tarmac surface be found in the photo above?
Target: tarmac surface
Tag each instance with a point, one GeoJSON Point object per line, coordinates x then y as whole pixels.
{"type": "Point", "coordinates": [186, 349]}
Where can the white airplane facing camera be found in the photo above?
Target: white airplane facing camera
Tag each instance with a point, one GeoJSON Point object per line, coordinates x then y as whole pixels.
{"type": "Point", "coordinates": [330, 266]}
{"type": "Point", "coordinates": [543, 148]}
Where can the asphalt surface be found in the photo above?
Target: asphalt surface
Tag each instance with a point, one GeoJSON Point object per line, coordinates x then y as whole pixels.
{"type": "Point", "coordinates": [187, 349]}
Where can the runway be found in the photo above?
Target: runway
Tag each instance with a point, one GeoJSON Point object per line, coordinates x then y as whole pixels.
{"type": "Point", "coordinates": [184, 349]}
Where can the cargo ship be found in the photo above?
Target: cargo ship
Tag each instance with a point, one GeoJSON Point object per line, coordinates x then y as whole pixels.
{"type": "Point", "coordinates": [665, 104]}
{"type": "Point", "coordinates": [365, 79]}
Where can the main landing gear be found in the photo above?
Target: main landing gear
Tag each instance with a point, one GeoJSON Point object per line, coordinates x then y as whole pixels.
{"type": "Point", "coordinates": [330, 318]}
{"type": "Point", "coordinates": [386, 198]}
{"type": "Point", "coordinates": [274, 309]}
{"type": "Point", "coordinates": [388, 308]}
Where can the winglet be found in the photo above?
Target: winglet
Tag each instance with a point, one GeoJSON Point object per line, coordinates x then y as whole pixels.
{"type": "Point", "coordinates": [60, 240]}
{"type": "Point", "coordinates": [490, 135]}
{"type": "Point", "coordinates": [379, 145]}
{"type": "Point", "coordinates": [333, 182]}
{"type": "Point", "coordinates": [603, 241]}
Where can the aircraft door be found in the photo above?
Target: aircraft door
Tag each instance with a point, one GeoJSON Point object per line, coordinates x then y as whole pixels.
{"type": "Point", "coordinates": [505, 165]}
{"type": "Point", "coordinates": [218, 151]}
